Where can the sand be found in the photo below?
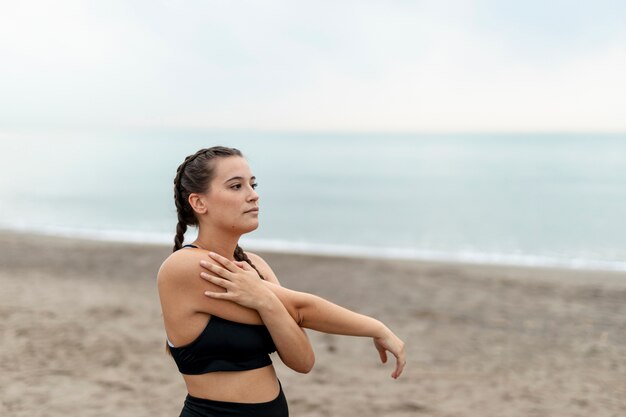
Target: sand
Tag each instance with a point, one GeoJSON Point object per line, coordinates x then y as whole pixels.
{"type": "Point", "coordinates": [82, 335]}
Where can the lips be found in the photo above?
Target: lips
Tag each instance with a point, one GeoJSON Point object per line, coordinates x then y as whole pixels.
{"type": "Point", "coordinates": [253, 210]}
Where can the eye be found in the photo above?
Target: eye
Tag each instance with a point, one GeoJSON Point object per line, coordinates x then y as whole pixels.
{"type": "Point", "coordinates": [254, 185]}
{"type": "Point", "coordinates": [235, 186]}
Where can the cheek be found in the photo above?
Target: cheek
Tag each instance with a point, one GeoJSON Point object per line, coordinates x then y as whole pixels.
{"type": "Point", "coordinates": [224, 205]}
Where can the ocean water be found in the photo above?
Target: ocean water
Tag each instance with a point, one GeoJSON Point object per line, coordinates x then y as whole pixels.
{"type": "Point", "coordinates": [531, 199]}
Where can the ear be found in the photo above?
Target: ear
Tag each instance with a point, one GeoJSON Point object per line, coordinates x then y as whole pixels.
{"type": "Point", "coordinates": [198, 203]}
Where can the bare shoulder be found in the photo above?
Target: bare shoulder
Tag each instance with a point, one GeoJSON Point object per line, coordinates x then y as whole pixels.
{"type": "Point", "coordinates": [181, 289]}
{"type": "Point", "coordinates": [179, 278]}
{"type": "Point", "coordinates": [179, 264]}
{"type": "Point", "coordinates": [263, 267]}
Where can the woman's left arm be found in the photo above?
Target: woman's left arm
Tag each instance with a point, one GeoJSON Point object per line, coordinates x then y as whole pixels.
{"type": "Point", "coordinates": [307, 310]}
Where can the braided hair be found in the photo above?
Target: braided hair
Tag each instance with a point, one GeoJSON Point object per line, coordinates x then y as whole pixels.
{"type": "Point", "coordinates": [194, 176]}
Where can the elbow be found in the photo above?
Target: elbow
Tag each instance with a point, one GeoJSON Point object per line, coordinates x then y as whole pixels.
{"type": "Point", "coordinates": [305, 370]}
{"type": "Point", "coordinates": [305, 365]}
{"type": "Point", "coordinates": [309, 365]}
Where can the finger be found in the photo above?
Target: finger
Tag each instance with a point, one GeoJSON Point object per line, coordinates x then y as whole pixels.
{"type": "Point", "coordinates": [400, 362]}
{"type": "Point", "coordinates": [223, 261]}
{"type": "Point", "coordinates": [399, 368]}
{"type": "Point", "coordinates": [382, 353]}
{"type": "Point", "coordinates": [216, 280]}
{"type": "Point", "coordinates": [244, 265]}
{"type": "Point", "coordinates": [219, 295]}
{"type": "Point", "coordinates": [215, 269]}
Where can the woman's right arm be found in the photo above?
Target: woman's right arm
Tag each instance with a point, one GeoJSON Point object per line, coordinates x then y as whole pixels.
{"type": "Point", "coordinates": [311, 311]}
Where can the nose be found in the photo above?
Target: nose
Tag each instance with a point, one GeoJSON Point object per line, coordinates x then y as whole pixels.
{"type": "Point", "coordinates": [254, 196]}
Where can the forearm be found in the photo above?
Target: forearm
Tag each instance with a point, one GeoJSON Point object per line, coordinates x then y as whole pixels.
{"type": "Point", "coordinates": [292, 343]}
{"type": "Point", "coordinates": [316, 313]}
{"type": "Point", "coordinates": [319, 314]}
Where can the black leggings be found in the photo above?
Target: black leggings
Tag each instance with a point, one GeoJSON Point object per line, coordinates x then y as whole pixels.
{"type": "Point", "coordinates": [202, 407]}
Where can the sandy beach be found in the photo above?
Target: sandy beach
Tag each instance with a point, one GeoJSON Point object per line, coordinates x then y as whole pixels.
{"type": "Point", "coordinates": [82, 335]}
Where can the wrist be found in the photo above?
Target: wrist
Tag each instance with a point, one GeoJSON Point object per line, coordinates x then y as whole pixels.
{"type": "Point", "coordinates": [268, 303]}
{"type": "Point", "coordinates": [380, 330]}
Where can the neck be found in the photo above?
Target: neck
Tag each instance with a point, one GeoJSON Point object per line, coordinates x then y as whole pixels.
{"type": "Point", "coordinates": [217, 241]}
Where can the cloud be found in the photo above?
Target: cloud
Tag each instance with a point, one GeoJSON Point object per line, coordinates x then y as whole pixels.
{"type": "Point", "coordinates": [437, 75]}
{"type": "Point", "coordinates": [465, 65]}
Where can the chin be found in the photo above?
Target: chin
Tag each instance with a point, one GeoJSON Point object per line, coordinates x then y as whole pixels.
{"type": "Point", "coordinates": [250, 228]}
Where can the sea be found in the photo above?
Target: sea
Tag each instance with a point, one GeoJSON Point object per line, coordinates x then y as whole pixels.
{"type": "Point", "coordinates": [535, 199]}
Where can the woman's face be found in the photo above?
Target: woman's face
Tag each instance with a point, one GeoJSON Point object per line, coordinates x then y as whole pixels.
{"type": "Point", "coordinates": [232, 202]}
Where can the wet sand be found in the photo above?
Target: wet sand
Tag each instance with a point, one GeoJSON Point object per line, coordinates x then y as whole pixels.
{"type": "Point", "coordinates": [82, 334]}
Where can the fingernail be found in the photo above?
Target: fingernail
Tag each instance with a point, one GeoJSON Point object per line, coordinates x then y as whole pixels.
{"type": "Point", "coordinates": [203, 263]}
{"type": "Point", "coordinates": [204, 274]}
{"type": "Point", "coordinates": [211, 253]}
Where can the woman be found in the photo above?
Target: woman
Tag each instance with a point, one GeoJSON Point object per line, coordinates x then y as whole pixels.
{"type": "Point", "coordinates": [220, 319]}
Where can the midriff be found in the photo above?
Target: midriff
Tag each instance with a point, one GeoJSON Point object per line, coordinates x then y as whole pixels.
{"type": "Point", "coordinates": [253, 386]}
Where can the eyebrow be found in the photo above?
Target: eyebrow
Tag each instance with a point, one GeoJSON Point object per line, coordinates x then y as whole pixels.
{"type": "Point", "coordinates": [239, 178]}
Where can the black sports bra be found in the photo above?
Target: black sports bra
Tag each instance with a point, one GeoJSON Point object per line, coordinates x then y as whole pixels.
{"type": "Point", "coordinates": [225, 345]}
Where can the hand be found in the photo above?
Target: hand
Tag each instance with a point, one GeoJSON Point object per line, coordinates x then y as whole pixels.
{"type": "Point", "coordinates": [241, 282]}
{"type": "Point", "coordinates": [390, 342]}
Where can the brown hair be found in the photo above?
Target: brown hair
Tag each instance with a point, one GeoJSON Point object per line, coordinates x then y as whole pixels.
{"type": "Point", "coordinates": [194, 176]}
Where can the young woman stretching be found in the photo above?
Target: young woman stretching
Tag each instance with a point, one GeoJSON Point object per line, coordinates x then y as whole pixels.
{"type": "Point", "coordinates": [224, 310]}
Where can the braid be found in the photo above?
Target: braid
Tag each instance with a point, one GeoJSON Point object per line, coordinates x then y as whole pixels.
{"type": "Point", "coordinates": [240, 255]}
{"type": "Point", "coordinates": [195, 181]}
{"type": "Point", "coordinates": [181, 227]}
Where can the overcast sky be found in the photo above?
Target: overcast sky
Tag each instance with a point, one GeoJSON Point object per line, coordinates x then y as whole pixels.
{"type": "Point", "coordinates": [482, 65]}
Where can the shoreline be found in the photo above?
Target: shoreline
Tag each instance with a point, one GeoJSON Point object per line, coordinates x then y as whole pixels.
{"type": "Point", "coordinates": [345, 251]}
{"type": "Point", "coordinates": [82, 329]}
